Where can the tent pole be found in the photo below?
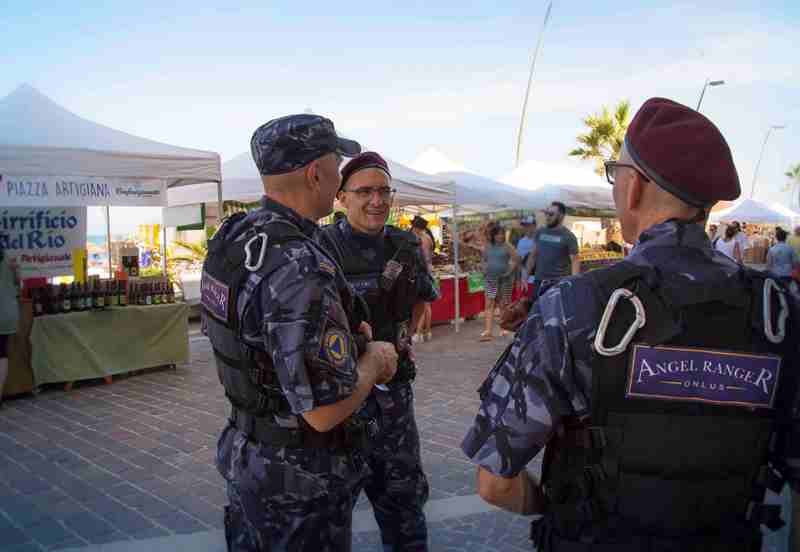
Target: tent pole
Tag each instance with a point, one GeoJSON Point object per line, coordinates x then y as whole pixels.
{"type": "Point", "coordinates": [220, 212]}
{"type": "Point", "coordinates": [456, 268]}
{"type": "Point", "coordinates": [164, 246]}
{"type": "Point", "coordinates": [108, 239]}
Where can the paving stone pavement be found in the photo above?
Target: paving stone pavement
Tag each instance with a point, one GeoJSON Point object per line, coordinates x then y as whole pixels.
{"type": "Point", "coordinates": [134, 460]}
{"type": "Point", "coordinates": [130, 465]}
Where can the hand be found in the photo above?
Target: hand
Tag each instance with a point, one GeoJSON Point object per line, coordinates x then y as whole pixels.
{"type": "Point", "coordinates": [513, 316]}
{"type": "Point", "coordinates": [523, 286]}
{"type": "Point", "coordinates": [385, 356]}
{"type": "Point", "coordinates": [366, 330]}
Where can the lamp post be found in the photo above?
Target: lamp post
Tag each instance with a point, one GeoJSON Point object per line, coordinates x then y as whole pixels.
{"type": "Point", "coordinates": [706, 85]}
{"type": "Point", "coordinates": [761, 155]}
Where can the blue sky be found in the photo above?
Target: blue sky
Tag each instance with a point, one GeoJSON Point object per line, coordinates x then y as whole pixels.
{"type": "Point", "coordinates": [401, 77]}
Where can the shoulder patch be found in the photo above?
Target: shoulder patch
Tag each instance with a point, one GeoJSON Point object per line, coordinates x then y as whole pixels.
{"type": "Point", "coordinates": [701, 375]}
{"type": "Point", "coordinates": [336, 347]}
{"type": "Point", "coordinates": [327, 267]}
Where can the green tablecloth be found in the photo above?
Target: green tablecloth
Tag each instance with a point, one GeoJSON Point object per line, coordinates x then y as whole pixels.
{"type": "Point", "coordinates": [88, 345]}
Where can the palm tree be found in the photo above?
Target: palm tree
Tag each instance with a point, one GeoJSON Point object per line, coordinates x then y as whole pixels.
{"type": "Point", "coordinates": [793, 174]}
{"type": "Point", "coordinates": [606, 135]}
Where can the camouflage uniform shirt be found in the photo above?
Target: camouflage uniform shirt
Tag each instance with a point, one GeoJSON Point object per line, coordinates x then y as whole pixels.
{"type": "Point", "coordinates": [546, 375]}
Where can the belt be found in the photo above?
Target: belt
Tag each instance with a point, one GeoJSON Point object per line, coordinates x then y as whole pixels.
{"type": "Point", "coordinates": [354, 434]}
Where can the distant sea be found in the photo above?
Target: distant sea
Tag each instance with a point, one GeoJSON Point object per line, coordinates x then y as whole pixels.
{"type": "Point", "coordinates": [100, 239]}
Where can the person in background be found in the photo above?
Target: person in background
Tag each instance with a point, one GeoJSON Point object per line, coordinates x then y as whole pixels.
{"type": "Point", "coordinates": [419, 226]}
{"type": "Point", "coordinates": [9, 310]}
{"type": "Point", "coordinates": [781, 258]}
{"type": "Point", "coordinates": [524, 249]}
{"type": "Point", "coordinates": [794, 241]}
{"type": "Point", "coordinates": [555, 251]}
{"type": "Point", "coordinates": [728, 245]}
{"type": "Point", "coordinates": [500, 262]}
{"type": "Point", "coordinates": [713, 234]}
{"type": "Point", "coordinates": [741, 236]}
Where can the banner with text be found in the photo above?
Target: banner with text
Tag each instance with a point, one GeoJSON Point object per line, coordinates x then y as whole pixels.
{"type": "Point", "coordinates": [69, 191]}
{"type": "Point", "coordinates": [42, 240]}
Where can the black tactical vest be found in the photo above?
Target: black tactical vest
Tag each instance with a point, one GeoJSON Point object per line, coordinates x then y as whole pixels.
{"type": "Point", "coordinates": [390, 293]}
{"type": "Point", "coordinates": [246, 373]}
{"type": "Point", "coordinates": [676, 453]}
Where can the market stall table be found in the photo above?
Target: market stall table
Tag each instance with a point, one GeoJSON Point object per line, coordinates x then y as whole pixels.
{"type": "Point", "coordinates": [100, 344]}
{"type": "Point", "coordinates": [444, 309]}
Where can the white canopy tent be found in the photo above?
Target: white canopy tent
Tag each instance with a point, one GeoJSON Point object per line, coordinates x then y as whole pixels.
{"type": "Point", "coordinates": [44, 147]}
{"type": "Point", "coordinates": [576, 188]}
{"type": "Point", "coordinates": [754, 212]}
{"type": "Point", "coordinates": [475, 193]}
{"type": "Point", "coordinates": [243, 183]}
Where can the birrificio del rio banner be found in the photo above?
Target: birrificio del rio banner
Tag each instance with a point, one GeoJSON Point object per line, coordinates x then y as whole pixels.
{"type": "Point", "coordinates": [42, 240]}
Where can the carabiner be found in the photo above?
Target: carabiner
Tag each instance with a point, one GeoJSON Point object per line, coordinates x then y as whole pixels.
{"type": "Point", "coordinates": [636, 325]}
{"type": "Point", "coordinates": [769, 285]}
{"type": "Point", "coordinates": [249, 255]}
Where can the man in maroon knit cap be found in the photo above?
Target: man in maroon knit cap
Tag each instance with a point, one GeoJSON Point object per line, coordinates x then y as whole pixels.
{"type": "Point", "coordinates": [664, 388]}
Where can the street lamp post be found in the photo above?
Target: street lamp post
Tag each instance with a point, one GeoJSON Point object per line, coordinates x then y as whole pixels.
{"type": "Point", "coordinates": [706, 85]}
{"type": "Point", "coordinates": [761, 155]}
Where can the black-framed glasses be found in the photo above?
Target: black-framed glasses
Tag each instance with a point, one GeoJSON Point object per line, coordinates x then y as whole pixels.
{"type": "Point", "coordinates": [611, 171]}
{"type": "Point", "coordinates": [385, 193]}
{"type": "Point", "coordinates": [550, 213]}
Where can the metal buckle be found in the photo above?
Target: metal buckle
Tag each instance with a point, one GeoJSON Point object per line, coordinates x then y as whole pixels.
{"type": "Point", "coordinates": [249, 255]}
{"type": "Point", "coordinates": [769, 285]}
{"type": "Point", "coordinates": [636, 325]}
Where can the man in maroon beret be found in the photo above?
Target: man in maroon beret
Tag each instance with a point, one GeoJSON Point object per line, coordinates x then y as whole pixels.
{"type": "Point", "coordinates": [663, 386]}
{"type": "Point", "coordinates": [386, 267]}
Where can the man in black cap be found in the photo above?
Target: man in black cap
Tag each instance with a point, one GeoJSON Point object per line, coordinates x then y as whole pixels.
{"type": "Point", "coordinates": [664, 387]}
{"type": "Point", "coordinates": [276, 306]}
{"type": "Point", "coordinates": [385, 266]}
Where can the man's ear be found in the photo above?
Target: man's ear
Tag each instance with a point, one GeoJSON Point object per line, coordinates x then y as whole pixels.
{"type": "Point", "coordinates": [312, 175]}
{"type": "Point", "coordinates": [635, 191]}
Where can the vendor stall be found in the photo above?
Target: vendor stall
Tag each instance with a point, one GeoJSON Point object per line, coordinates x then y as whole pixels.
{"type": "Point", "coordinates": [53, 162]}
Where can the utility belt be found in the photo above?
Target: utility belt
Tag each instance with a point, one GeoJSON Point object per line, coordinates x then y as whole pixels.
{"type": "Point", "coordinates": [742, 540]}
{"type": "Point", "coordinates": [351, 435]}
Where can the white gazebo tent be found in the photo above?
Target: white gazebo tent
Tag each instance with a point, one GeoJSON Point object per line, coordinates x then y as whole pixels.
{"type": "Point", "coordinates": [754, 212]}
{"type": "Point", "coordinates": [576, 188]}
{"type": "Point", "coordinates": [41, 141]}
{"type": "Point", "coordinates": [474, 193]}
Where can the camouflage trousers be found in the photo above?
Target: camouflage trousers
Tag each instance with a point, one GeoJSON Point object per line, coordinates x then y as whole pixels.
{"type": "Point", "coordinates": [396, 485]}
{"type": "Point", "coordinates": [287, 500]}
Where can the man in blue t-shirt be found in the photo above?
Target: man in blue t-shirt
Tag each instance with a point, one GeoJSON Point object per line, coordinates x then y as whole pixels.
{"type": "Point", "coordinates": [554, 254]}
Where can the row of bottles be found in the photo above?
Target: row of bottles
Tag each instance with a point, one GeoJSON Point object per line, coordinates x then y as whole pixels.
{"type": "Point", "coordinates": [98, 295]}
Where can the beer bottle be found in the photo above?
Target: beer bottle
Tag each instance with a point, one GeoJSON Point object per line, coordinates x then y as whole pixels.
{"type": "Point", "coordinates": [82, 298]}
{"type": "Point", "coordinates": [156, 293]}
{"type": "Point", "coordinates": [164, 291]}
{"type": "Point", "coordinates": [142, 292]}
{"type": "Point", "coordinates": [170, 292]}
{"type": "Point", "coordinates": [148, 294]}
{"type": "Point", "coordinates": [38, 303]}
{"type": "Point", "coordinates": [66, 300]}
{"type": "Point", "coordinates": [74, 299]}
{"type": "Point", "coordinates": [55, 300]}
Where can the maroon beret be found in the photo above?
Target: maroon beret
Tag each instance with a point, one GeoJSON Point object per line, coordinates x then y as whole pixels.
{"type": "Point", "coordinates": [683, 152]}
{"type": "Point", "coordinates": [366, 160]}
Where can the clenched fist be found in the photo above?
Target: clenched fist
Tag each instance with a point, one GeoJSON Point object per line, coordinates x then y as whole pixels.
{"type": "Point", "coordinates": [387, 366]}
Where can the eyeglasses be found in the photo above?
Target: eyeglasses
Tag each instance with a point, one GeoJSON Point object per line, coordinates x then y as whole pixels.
{"type": "Point", "coordinates": [611, 171]}
{"type": "Point", "coordinates": [384, 192]}
{"type": "Point", "coordinates": [550, 213]}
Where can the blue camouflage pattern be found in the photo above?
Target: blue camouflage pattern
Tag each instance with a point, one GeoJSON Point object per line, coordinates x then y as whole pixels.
{"type": "Point", "coordinates": [289, 143]}
{"type": "Point", "coordinates": [289, 498]}
{"type": "Point", "coordinates": [396, 484]}
{"type": "Point", "coordinates": [546, 374]}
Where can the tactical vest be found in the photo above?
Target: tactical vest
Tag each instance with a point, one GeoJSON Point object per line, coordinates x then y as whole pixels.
{"type": "Point", "coordinates": [390, 293]}
{"type": "Point", "coordinates": [247, 373]}
{"type": "Point", "coordinates": [676, 452]}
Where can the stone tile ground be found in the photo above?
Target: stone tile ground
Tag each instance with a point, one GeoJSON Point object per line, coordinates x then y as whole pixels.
{"type": "Point", "coordinates": [133, 461]}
